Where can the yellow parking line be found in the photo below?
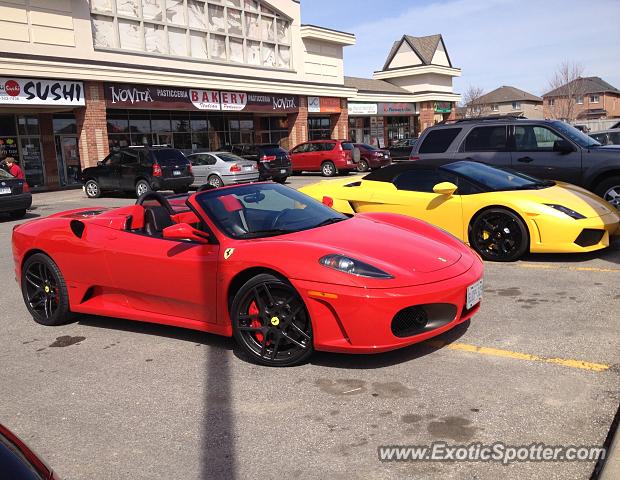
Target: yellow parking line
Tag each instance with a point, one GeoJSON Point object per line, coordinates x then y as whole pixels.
{"type": "Point", "coordinates": [496, 352]}
{"type": "Point", "coordinates": [545, 266]}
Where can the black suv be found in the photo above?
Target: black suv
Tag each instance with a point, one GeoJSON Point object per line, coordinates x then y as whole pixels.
{"type": "Point", "coordinates": [139, 169]}
{"type": "Point", "coordinates": [548, 149]}
{"type": "Point", "coordinates": [273, 161]}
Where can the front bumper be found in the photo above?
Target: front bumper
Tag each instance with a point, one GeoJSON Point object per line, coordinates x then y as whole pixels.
{"type": "Point", "coordinates": [359, 320]}
{"type": "Point", "coordinates": [13, 203]}
{"type": "Point", "coordinates": [550, 234]}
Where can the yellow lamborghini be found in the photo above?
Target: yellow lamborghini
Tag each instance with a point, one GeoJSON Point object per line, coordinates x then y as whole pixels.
{"type": "Point", "coordinates": [501, 214]}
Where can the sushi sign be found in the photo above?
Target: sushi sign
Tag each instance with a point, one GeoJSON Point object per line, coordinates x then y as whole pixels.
{"type": "Point", "coordinates": [27, 91]}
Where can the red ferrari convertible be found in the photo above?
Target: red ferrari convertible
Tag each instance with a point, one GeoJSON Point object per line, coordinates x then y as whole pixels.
{"type": "Point", "coordinates": [283, 273]}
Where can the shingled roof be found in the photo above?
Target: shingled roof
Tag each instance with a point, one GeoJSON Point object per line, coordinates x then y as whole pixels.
{"type": "Point", "coordinates": [373, 86]}
{"type": "Point", "coordinates": [424, 47]}
{"type": "Point", "coordinates": [590, 85]}
{"type": "Point", "coordinates": [505, 94]}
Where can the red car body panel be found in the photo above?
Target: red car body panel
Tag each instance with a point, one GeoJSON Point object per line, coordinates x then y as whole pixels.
{"type": "Point", "coordinates": [375, 158]}
{"type": "Point", "coordinates": [14, 443]}
{"type": "Point", "coordinates": [113, 272]}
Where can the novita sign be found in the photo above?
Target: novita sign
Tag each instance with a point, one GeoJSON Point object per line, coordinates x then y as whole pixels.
{"type": "Point", "coordinates": [32, 91]}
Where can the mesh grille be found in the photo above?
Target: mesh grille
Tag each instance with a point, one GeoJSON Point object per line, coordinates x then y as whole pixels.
{"type": "Point", "coordinates": [409, 321]}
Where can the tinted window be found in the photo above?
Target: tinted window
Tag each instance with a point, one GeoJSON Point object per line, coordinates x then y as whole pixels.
{"type": "Point", "coordinates": [366, 146]}
{"type": "Point", "coordinates": [130, 158]}
{"type": "Point", "coordinates": [170, 157]}
{"type": "Point", "coordinates": [347, 146]}
{"type": "Point", "coordinates": [198, 160]}
{"type": "Point", "coordinates": [494, 178]}
{"type": "Point", "coordinates": [575, 135]}
{"type": "Point", "coordinates": [230, 157]}
{"type": "Point", "coordinates": [486, 139]}
{"type": "Point", "coordinates": [328, 147]}
{"type": "Point", "coordinates": [530, 138]}
{"type": "Point", "coordinates": [114, 159]}
{"type": "Point", "coordinates": [272, 150]}
{"type": "Point", "coordinates": [614, 138]}
{"type": "Point", "coordinates": [300, 148]}
{"type": "Point", "coordinates": [418, 180]}
{"type": "Point", "coordinates": [438, 141]}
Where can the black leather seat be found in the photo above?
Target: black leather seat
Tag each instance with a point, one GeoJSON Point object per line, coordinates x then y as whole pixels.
{"type": "Point", "coordinates": [156, 218]}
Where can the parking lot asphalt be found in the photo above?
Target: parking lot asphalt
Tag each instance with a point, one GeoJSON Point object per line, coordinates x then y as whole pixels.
{"type": "Point", "coordinates": [112, 399]}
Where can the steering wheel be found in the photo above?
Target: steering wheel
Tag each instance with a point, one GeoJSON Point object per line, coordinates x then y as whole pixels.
{"type": "Point", "coordinates": [158, 197]}
{"type": "Point", "coordinates": [280, 216]}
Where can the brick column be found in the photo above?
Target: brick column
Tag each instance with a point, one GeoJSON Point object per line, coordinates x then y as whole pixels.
{"type": "Point", "coordinates": [91, 126]}
{"type": "Point", "coordinates": [427, 115]}
{"type": "Point", "coordinates": [453, 112]}
{"type": "Point", "coordinates": [340, 121]}
{"type": "Point", "coordinates": [49, 150]}
{"type": "Point", "coordinates": [298, 124]}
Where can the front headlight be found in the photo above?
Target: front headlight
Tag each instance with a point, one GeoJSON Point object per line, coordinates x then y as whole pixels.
{"type": "Point", "coordinates": [352, 266]}
{"type": "Point", "coordinates": [571, 213]}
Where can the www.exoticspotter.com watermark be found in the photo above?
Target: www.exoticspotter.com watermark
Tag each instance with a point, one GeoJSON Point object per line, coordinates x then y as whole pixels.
{"type": "Point", "coordinates": [495, 452]}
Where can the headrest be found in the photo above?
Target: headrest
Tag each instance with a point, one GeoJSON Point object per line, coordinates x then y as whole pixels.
{"type": "Point", "coordinates": [158, 218]}
{"type": "Point", "coordinates": [231, 203]}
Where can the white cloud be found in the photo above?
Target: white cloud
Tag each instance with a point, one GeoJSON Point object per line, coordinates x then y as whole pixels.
{"type": "Point", "coordinates": [502, 42]}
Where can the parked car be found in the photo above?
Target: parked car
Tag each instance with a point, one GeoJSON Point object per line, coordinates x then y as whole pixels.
{"type": "Point", "coordinates": [273, 161]}
{"type": "Point", "coordinates": [15, 196]}
{"type": "Point", "coordinates": [19, 462]}
{"type": "Point", "coordinates": [607, 137]}
{"type": "Point", "coordinates": [139, 170]}
{"type": "Point", "coordinates": [222, 168]}
{"type": "Point", "coordinates": [330, 157]}
{"type": "Point", "coordinates": [547, 149]}
{"type": "Point", "coordinates": [372, 157]}
{"type": "Point", "coordinates": [402, 149]}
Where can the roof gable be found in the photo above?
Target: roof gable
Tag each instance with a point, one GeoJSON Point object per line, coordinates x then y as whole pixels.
{"type": "Point", "coordinates": [505, 94]}
{"type": "Point", "coordinates": [411, 51]}
{"type": "Point", "coordinates": [588, 85]}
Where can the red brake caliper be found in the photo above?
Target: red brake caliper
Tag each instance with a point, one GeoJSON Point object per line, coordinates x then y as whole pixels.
{"type": "Point", "coordinates": [255, 323]}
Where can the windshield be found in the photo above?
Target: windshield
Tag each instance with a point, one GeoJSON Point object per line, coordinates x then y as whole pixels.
{"type": "Point", "coordinates": [264, 210]}
{"type": "Point", "coordinates": [575, 135]}
{"type": "Point", "coordinates": [230, 157]}
{"type": "Point", "coordinates": [495, 179]}
{"type": "Point", "coordinates": [5, 174]}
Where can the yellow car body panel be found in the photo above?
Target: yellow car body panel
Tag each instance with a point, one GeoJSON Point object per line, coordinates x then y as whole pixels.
{"type": "Point", "coordinates": [550, 230]}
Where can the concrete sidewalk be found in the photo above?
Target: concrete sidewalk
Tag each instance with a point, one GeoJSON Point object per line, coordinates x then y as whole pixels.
{"type": "Point", "coordinates": [611, 470]}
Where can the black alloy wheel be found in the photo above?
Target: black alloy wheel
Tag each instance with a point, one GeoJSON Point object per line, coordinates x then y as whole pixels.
{"type": "Point", "coordinates": [270, 322]}
{"type": "Point", "coordinates": [499, 235]}
{"type": "Point", "coordinates": [44, 291]}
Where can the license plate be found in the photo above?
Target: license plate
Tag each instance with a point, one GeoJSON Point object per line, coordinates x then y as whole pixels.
{"type": "Point", "coordinates": [5, 190]}
{"type": "Point", "coordinates": [283, 171]}
{"type": "Point", "coordinates": [474, 293]}
{"type": "Point", "coordinates": [248, 168]}
{"type": "Point", "coordinates": [176, 173]}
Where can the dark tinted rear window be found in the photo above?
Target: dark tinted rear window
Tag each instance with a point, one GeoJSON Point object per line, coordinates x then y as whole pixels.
{"type": "Point", "coordinates": [272, 150]}
{"type": "Point", "coordinates": [347, 146]}
{"type": "Point", "coordinates": [328, 147]}
{"type": "Point", "coordinates": [438, 141]}
{"type": "Point", "coordinates": [170, 157]}
{"type": "Point", "coordinates": [486, 139]}
{"type": "Point", "coordinates": [366, 146]}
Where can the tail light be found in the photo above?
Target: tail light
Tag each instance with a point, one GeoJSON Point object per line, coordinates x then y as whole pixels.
{"type": "Point", "coordinates": [189, 169]}
{"type": "Point", "coordinates": [235, 168]}
{"type": "Point", "coordinates": [156, 170]}
{"type": "Point", "coordinates": [414, 158]}
{"type": "Point", "coordinates": [328, 201]}
{"type": "Point", "coordinates": [268, 158]}
{"type": "Point", "coordinates": [25, 187]}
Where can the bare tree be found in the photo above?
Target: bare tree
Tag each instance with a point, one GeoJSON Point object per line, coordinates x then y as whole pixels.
{"type": "Point", "coordinates": [566, 88]}
{"type": "Point", "coordinates": [471, 102]}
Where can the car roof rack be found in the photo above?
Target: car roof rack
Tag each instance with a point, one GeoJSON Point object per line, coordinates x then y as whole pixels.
{"type": "Point", "coordinates": [489, 118]}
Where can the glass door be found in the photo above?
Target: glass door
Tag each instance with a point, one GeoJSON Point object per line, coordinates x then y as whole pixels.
{"type": "Point", "coordinates": [68, 154]}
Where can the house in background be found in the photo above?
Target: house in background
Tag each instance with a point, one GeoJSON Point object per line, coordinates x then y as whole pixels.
{"type": "Point", "coordinates": [507, 100]}
{"type": "Point", "coordinates": [587, 98]}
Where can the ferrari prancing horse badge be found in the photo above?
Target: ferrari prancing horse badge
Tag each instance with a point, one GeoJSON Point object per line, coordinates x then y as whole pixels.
{"type": "Point", "coordinates": [228, 253]}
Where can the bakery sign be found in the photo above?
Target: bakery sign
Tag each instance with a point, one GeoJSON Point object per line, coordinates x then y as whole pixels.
{"type": "Point", "coordinates": [34, 91]}
{"type": "Point", "coordinates": [144, 97]}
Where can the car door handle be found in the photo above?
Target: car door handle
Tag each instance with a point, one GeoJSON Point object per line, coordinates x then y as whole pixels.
{"type": "Point", "coordinates": [525, 159]}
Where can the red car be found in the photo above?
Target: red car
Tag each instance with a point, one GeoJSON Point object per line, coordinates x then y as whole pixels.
{"type": "Point", "coordinates": [283, 273]}
{"type": "Point", "coordinates": [330, 157]}
{"type": "Point", "coordinates": [372, 157]}
{"type": "Point", "coordinates": [19, 462]}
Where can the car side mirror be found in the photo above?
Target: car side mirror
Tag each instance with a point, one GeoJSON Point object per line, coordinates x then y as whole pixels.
{"type": "Point", "coordinates": [563, 147]}
{"type": "Point", "coordinates": [184, 231]}
{"type": "Point", "coordinates": [445, 188]}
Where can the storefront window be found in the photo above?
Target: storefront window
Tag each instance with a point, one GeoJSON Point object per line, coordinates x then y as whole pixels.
{"type": "Point", "coordinates": [319, 128]}
{"type": "Point", "coordinates": [398, 128]}
{"type": "Point", "coordinates": [64, 124]}
{"type": "Point", "coordinates": [28, 125]}
{"type": "Point", "coordinates": [7, 125]}
{"type": "Point", "coordinates": [32, 161]}
{"type": "Point", "coordinates": [237, 31]}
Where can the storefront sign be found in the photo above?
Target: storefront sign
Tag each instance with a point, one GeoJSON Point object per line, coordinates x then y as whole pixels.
{"type": "Point", "coordinates": [443, 107]}
{"type": "Point", "coordinates": [144, 97]}
{"type": "Point", "coordinates": [205, 99]}
{"type": "Point", "coordinates": [392, 109]}
{"type": "Point", "coordinates": [324, 105]}
{"type": "Point", "coordinates": [26, 91]}
{"type": "Point", "coordinates": [363, 109]}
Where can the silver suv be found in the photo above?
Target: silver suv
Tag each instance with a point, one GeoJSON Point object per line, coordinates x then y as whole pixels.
{"type": "Point", "coordinates": [548, 149]}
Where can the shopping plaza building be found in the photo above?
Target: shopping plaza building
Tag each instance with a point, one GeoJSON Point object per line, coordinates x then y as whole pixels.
{"type": "Point", "coordinates": [79, 78]}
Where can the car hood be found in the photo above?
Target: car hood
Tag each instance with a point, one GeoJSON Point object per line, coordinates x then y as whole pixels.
{"type": "Point", "coordinates": [389, 242]}
{"type": "Point", "coordinates": [576, 198]}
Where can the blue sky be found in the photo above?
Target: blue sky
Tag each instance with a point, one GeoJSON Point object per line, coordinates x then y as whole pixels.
{"type": "Point", "coordinates": [494, 42]}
